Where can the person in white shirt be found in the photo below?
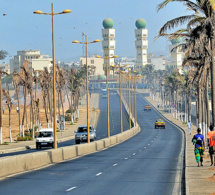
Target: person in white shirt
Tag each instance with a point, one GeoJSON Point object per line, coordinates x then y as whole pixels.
{"type": "Point", "coordinates": [17, 109]}
{"type": "Point", "coordinates": [189, 124]}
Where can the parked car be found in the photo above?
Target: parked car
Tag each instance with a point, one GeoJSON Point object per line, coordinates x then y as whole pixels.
{"type": "Point", "coordinates": [45, 138]}
{"type": "Point", "coordinates": [159, 123]}
{"type": "Point", "coordinates": [147, 107]}
{"type": "Point", "coordinates": [81, 134]}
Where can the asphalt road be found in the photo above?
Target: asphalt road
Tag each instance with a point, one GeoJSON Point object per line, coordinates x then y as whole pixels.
{"type": "Point", "coordinates": [148, 163]}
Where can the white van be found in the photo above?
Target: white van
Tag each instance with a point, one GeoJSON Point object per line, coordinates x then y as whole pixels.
{"type": "Point", "coordinates": [45, 138]}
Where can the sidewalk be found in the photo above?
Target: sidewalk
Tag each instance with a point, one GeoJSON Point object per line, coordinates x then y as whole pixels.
{"type": "Point", "coordinates": [199, 180]}
{"type": "Point", "coordinates": [67, 134]}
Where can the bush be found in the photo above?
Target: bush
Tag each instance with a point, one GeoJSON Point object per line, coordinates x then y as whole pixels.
{"type": "Point", "coordinates": [67, 118]}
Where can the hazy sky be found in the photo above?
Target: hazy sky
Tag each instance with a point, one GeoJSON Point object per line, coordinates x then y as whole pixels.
{"type": "Point", "coordinates": [21, 29]}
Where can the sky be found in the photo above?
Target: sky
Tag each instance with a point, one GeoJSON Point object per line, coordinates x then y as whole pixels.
{"type": "Point", "coordinates": [23, 30]}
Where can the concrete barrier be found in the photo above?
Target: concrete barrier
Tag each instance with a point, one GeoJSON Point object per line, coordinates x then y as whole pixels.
{"type": "Point", "coordinates": [106, 142]}
{"type": "Point", "coordinates": [86, 148]}
{"type": "Point", "coordinates": [120, 137]}
{"type": "Point", "coordinates": [69, 152]}
{"type": "Point", "coordinates": [100, 145]}
{"type": "Point", "coordinates": [56, 155]}
{"type": "Point", "coordinates": [113, 140]}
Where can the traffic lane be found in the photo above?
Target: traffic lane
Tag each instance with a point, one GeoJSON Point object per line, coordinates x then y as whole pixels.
{"type": "Point", "coordinates": [128, 168]}
{"type": "Point", "coordinates": [114, 117]}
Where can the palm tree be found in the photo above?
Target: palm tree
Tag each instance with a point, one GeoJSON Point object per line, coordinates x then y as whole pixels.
{"type": "Point", "coordinates": [9, 105]}
{"type": "Point", "coordinates": [1, 73]}
{"type": "Point", "coordinates": [203, 19]}
{"type": "Point", "coordinates": [17, 83]}
{"type": "Point", "coordinates": [3, 54]}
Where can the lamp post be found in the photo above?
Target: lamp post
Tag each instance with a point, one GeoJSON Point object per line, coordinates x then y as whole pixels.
{"type": "Point", "coordinates": [129, 100]}
{"type": "Point", "coordinates": [88, 121]}
{"type": "Point", "coordinates": [108, 111]}
{"type": "Point", "coordinates": [120, 93]}
{"type": "Point", "coordinates": [66, 11]}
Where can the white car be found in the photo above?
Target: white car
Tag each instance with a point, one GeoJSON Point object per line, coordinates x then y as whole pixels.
{"type": "Point", "coordinates": [45, 138]}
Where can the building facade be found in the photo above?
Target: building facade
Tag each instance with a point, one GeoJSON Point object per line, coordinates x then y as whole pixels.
{"type": "Point", "coordinates": [159, 62]}
{"type": "Point", "coordinates": [5, 67]}
{"type": "Point", "coordinates": [95, 65]}
{"type": "Point", "coordinates": [108, 43]}
{"type": "Point", "coordinates": [35, 59]}
{"type": "Point", "coordinates": [176, 54]}
{"type": "Point", "coordinates": [141, 43]}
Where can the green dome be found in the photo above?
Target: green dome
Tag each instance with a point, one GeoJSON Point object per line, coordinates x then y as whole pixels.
{"type": "Point", "coordinates": [176, 41]}
{"type": "Point", "coordinates": [140, 23]}
{"type": "Point", "coordinates": [107, 23]}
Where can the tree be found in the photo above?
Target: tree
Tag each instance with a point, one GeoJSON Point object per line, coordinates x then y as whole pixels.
{"type": "Point", "coordinates": [9, 105]}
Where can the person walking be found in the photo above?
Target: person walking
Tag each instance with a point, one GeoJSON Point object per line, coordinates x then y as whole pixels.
{"type": "Point", "coordinates": [211, 144]}
{"type": "Point", "coordinates": [17, 109]}
{"type": "Point", "coordinates": [198, 140]}
{"type": "Point", "coordinates": [3, 109]}
{"type": "Point", "coordinates": [158, 105]}
{"type": "Point", "coordinates": [189, 124]}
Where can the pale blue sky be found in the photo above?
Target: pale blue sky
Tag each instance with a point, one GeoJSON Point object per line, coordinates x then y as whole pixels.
{"type": "Point", "coordinates": [21, 29]}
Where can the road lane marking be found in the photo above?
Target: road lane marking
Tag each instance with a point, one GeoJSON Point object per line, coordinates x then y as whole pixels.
{"type": "Point", "coordinates": [126, 158]}
{"type": "Point", "coordinates": [134, 154]}
{"type": "Point", "coordinates": [71, 189]}
{"type": "Point", "coordinates": [115, 165]}
{"type": "Point", "coordinates": [98, 174]}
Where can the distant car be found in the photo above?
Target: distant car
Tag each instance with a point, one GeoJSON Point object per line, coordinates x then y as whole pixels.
{"type": "Point", "coordinates": [45, 138]}
{"type": "Point", "coordinates": [81, 134]}
{"type": "Point", "coordinates": [147, 107]}
{"type": "Point", "coordinates": [104, 95]}
{"type": "Point", "coordinates": [159, 123]}
{"type": "Point", "coordinates": [103, 89]}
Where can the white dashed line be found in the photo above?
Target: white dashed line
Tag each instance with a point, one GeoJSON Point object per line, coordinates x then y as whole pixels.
{"type": "Point", "coordinates": [98, 174]}
{"type": "Point", "coordinates": [134, 154]}
{"type": "Point", "coordinates": [148, 144]}
{"type": "Point", "coordinates": [115, 165]}
{"type": "Point", "coordinates": [71, 189]}
{"type": "Point", "coordinates": [126, 158]}
{"type": "Point", "coordinates": [144, 147]}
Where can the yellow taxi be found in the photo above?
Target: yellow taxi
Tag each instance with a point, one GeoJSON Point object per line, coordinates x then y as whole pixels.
{"type": "Point", "coordinates": [159, 123]}
{"type": "Point", "coordinates": [147, 107]}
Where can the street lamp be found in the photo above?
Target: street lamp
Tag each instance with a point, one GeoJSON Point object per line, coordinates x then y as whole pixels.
{"type": "Point", "coordinates": [108, 111]}
{"type": "Point", "coordinates": [135, 97]}
{"type": "Point", "coordinates": [66, 11]}
{"type": "Point", "coordinates": [120, 93]}
{"type": "Point", "coordinates": [88, 121]}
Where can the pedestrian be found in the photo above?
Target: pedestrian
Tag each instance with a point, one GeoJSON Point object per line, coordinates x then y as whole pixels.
{"type": "Point", "coordinates": [189, 124]}
{"type": "Point", "coordinates": [17, 109]}
{"type": "Point", "coordinates": [158, 105]}
{"type": "Point", "coordinates": [211, 144]}
{"type": "Point", "coordinates": [198, 140]}
{"type": "Point", "coordinates": [3, 109]}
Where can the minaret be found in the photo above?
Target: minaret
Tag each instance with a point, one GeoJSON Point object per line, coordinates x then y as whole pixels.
{"type": "Point", "coordinates": [176, 54]}
{"type": "Point", "coordinates": [108, 43]}
{"type": "Point", "coordinates": [141, 43]}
